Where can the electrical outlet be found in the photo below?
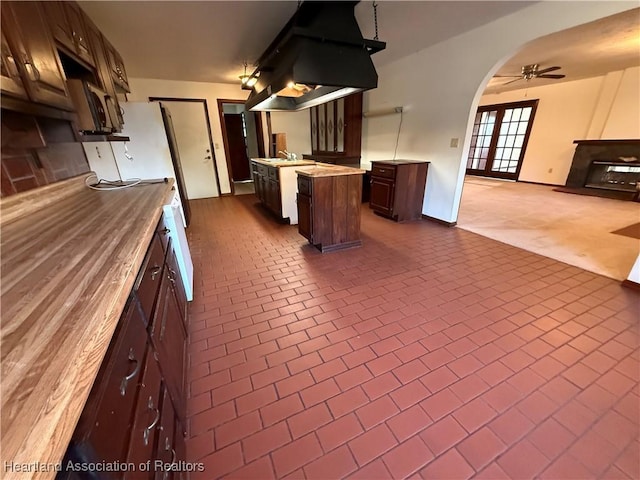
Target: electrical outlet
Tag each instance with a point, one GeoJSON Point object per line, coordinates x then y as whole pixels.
{"type": "Point", "coordinates": [454, 143]}
{"type": "Point", "coordinates": [216, 146]}
{"type": "Point", "coordinates": [550, 170]}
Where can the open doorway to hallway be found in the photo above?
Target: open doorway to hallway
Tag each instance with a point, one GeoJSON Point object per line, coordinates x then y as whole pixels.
{"type": "Point", "coordinates": [243, 139]}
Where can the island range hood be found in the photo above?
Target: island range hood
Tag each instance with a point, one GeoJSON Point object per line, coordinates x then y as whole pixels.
{"type": "Point", "coordinates": [319, 55]}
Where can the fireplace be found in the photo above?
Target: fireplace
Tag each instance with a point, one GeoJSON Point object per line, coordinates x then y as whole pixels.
{"type": "Point", "coordinates": [618, 176]}
{"type": "Point", "coordinates": [607, 168]}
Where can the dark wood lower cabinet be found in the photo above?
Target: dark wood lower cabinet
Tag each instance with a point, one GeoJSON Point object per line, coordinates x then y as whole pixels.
{"type": "Point", "coordinates": [329, 210]}
{"type": "Point", "coordinates": [135, 414]}
{"type": "Point", "coordinates": [397, 188]}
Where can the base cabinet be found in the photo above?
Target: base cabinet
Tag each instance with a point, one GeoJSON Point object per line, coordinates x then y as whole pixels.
{"type": "Point", "coordinates": [266, 180]}
{"type": "Point", "coordinates": [136, 409]}
{"type": "Point", "coordinates": [329, 210]}
{"type": "Point", "coordinates": [397, 189]}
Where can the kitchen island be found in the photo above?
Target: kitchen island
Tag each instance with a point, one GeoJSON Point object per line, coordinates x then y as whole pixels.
{"type": "Point", "coordinates": [70, 257]}
{"type": "Point", "coordinates": [274, 180]}
{"type": "Point", "coordinates": [329, 199]}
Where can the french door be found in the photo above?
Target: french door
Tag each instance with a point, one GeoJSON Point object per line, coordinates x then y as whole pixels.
{"type": "Point", "coordinates": [499, 139]}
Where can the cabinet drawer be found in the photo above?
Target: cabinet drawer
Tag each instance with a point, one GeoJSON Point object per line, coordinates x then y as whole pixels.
{"type": "Point", "coordinates": [273, 173]}
{"type": "Point", "coordinates": [386, 171]}
{"type": "Point", "coordinates": [304, 185]}
{"type": "Point", "coordinates": [262, 170]}
{"type": "Point", "coordinates": [150, 277]}
{"type": "Point", "coordinates": [109, 433]}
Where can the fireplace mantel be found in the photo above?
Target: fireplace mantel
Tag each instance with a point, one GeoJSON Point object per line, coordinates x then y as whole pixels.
{"type": "Point", "coordinates": [626, 141]}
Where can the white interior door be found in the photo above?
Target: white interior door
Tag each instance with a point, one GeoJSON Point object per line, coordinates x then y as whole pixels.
{"type": "Point", "coordinates": [192, 136]}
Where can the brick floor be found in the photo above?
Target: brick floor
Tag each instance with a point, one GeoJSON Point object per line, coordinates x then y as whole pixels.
{"type": "Point", "coordinates": [428, 352]}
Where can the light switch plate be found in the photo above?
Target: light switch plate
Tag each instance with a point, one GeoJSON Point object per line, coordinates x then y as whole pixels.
{"type": "Point", "coordinates": [454, 143]}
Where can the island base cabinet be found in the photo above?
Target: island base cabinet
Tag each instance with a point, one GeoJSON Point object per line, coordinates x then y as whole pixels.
{"type": "Point", "coordinates": [329, 211]}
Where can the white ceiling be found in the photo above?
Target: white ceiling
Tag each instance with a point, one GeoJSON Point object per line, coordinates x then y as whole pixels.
{"type": "Point", "coordinates": [208, 41]}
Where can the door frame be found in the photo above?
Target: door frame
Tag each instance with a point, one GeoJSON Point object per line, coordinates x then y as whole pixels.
{"type": "Point", "coordinates": [208, 123]}
{"type": "Point", "coordinates": [259, 134]}
{"type": "Point", "coordinates": [501, 107]}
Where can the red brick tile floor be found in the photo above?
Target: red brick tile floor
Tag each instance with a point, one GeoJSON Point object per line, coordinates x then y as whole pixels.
{"type": "Point", "coordinates": [429, 352]}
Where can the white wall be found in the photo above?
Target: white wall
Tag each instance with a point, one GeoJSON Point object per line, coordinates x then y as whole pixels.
{"type": "Point", "coordinates": [297, 126]}
{"type": "Point", "coordinates": [440, 88]}
{"type": "Point", "coordinates": [624, 116]}
{"type": "Point", "coordinates": [143, 88]}
{"type": "Point", "coordinates": [593, 108]}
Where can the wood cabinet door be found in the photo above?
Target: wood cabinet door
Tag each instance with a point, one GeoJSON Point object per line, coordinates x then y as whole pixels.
{"type": "Point", "coordinates": [59, 23]}
{"type": "Point", "coordinates": [169, 339]}
{"type": "Point", "coordinates": [118, 72]}
{"type": "Point", "coordinates": [165, 450]}
{"type": "Point", "coordinates": [146, 422]}
{"type": "Point", "coordinates": [305, 216]}
{"type": "Point", "coordinates": [314, 128]}
{"type": "Point", "coordinates": [177, 285]}
{"type": "Point", "coordinates": [331, 126]}
{"type": "Point", "coordinates": [40, 64]}
{"type": "Point", "coordinates": [340, 125]}
{"type": "Point", "coordinates": [322, 127]}
{"type": "Point", "coordinates": [115, 392]}
{"type": "Point", "coordinates": [381, 197]}
{"type": "Point", "coordinates": [104, 74]}
{"type": "Point", "coordinates": [76, 18]}
{"type": "Point", "coordinates": [10, 79]}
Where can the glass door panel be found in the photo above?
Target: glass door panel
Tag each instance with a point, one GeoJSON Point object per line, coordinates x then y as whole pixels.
{"type": "Point", "coordinates": [499, 139]}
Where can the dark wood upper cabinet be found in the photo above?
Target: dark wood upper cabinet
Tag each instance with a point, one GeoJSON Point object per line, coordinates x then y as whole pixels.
{"type": "Point", "coordinates": [118, 72]}
{"type": "Point", "coordinates": [336, 130]}
{"type": "Point", "coordinates": [67, 23]}
{"type": "Point", "coordinates": [30, 40]}
{"type": "Point", "coordinates": [10, 74]}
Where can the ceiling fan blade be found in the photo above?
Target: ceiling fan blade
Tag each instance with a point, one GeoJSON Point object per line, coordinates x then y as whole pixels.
{"type": "Point", "coordinates": [549, 69]}
{"type": "Point", "coordinates": [509, 76]}
{"type": "Point", "coordinates": [516, 80]}
{"type": "Point", "coordinates": [550, 76]}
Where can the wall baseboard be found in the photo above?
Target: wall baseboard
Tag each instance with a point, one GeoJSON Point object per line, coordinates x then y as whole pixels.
{"type": "Point", "coordinates": [437, 220]}
{"type": "Point", "coordinates": [631, 284]}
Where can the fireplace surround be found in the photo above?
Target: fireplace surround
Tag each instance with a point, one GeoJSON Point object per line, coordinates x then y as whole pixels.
{"type": "Point", "coordinates": [605, 167]}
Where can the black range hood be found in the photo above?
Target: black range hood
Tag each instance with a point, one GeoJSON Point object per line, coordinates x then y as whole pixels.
{"type": "Point", "coordinates": [319, 55]}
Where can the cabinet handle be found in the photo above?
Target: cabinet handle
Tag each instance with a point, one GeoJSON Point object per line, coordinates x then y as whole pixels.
{"type": "Point", "coordinates": [165, 231]}
{"type": "Point", "coordinates": [147, 431]}
{"type": "Point", "coordinates": [155, 271]}
{"type": "Point", "coordinates": [382, 170]}
{"type": "Point", "coordinates": [128, 378]}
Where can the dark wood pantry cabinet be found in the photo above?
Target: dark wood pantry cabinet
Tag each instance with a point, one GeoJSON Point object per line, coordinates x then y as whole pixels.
{"type": "Point", "coordinates": [397, 188]}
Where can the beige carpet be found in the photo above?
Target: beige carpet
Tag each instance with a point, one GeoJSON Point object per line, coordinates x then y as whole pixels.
{"type": "Point", "coordinates": [574, 229]}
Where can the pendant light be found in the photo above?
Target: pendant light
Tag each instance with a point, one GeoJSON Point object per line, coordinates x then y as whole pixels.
{"type": "Point", "coordinates": [247, 80]}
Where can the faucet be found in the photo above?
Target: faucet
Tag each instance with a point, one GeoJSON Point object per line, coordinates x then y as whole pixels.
{"type": "Point", "coordinates": [290, 156]}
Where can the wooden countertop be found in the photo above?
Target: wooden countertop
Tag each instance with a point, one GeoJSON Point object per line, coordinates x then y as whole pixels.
{"type": "Point", "coordinates": [270, 162]}
{"type": "Point", "coordinates": [70, 256]}
{"type": "Point", "coordinates": [327, 170]}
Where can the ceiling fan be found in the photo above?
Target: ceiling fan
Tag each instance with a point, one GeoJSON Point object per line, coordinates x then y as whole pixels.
{"type": "Point", "coordinates": [531, 71]}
